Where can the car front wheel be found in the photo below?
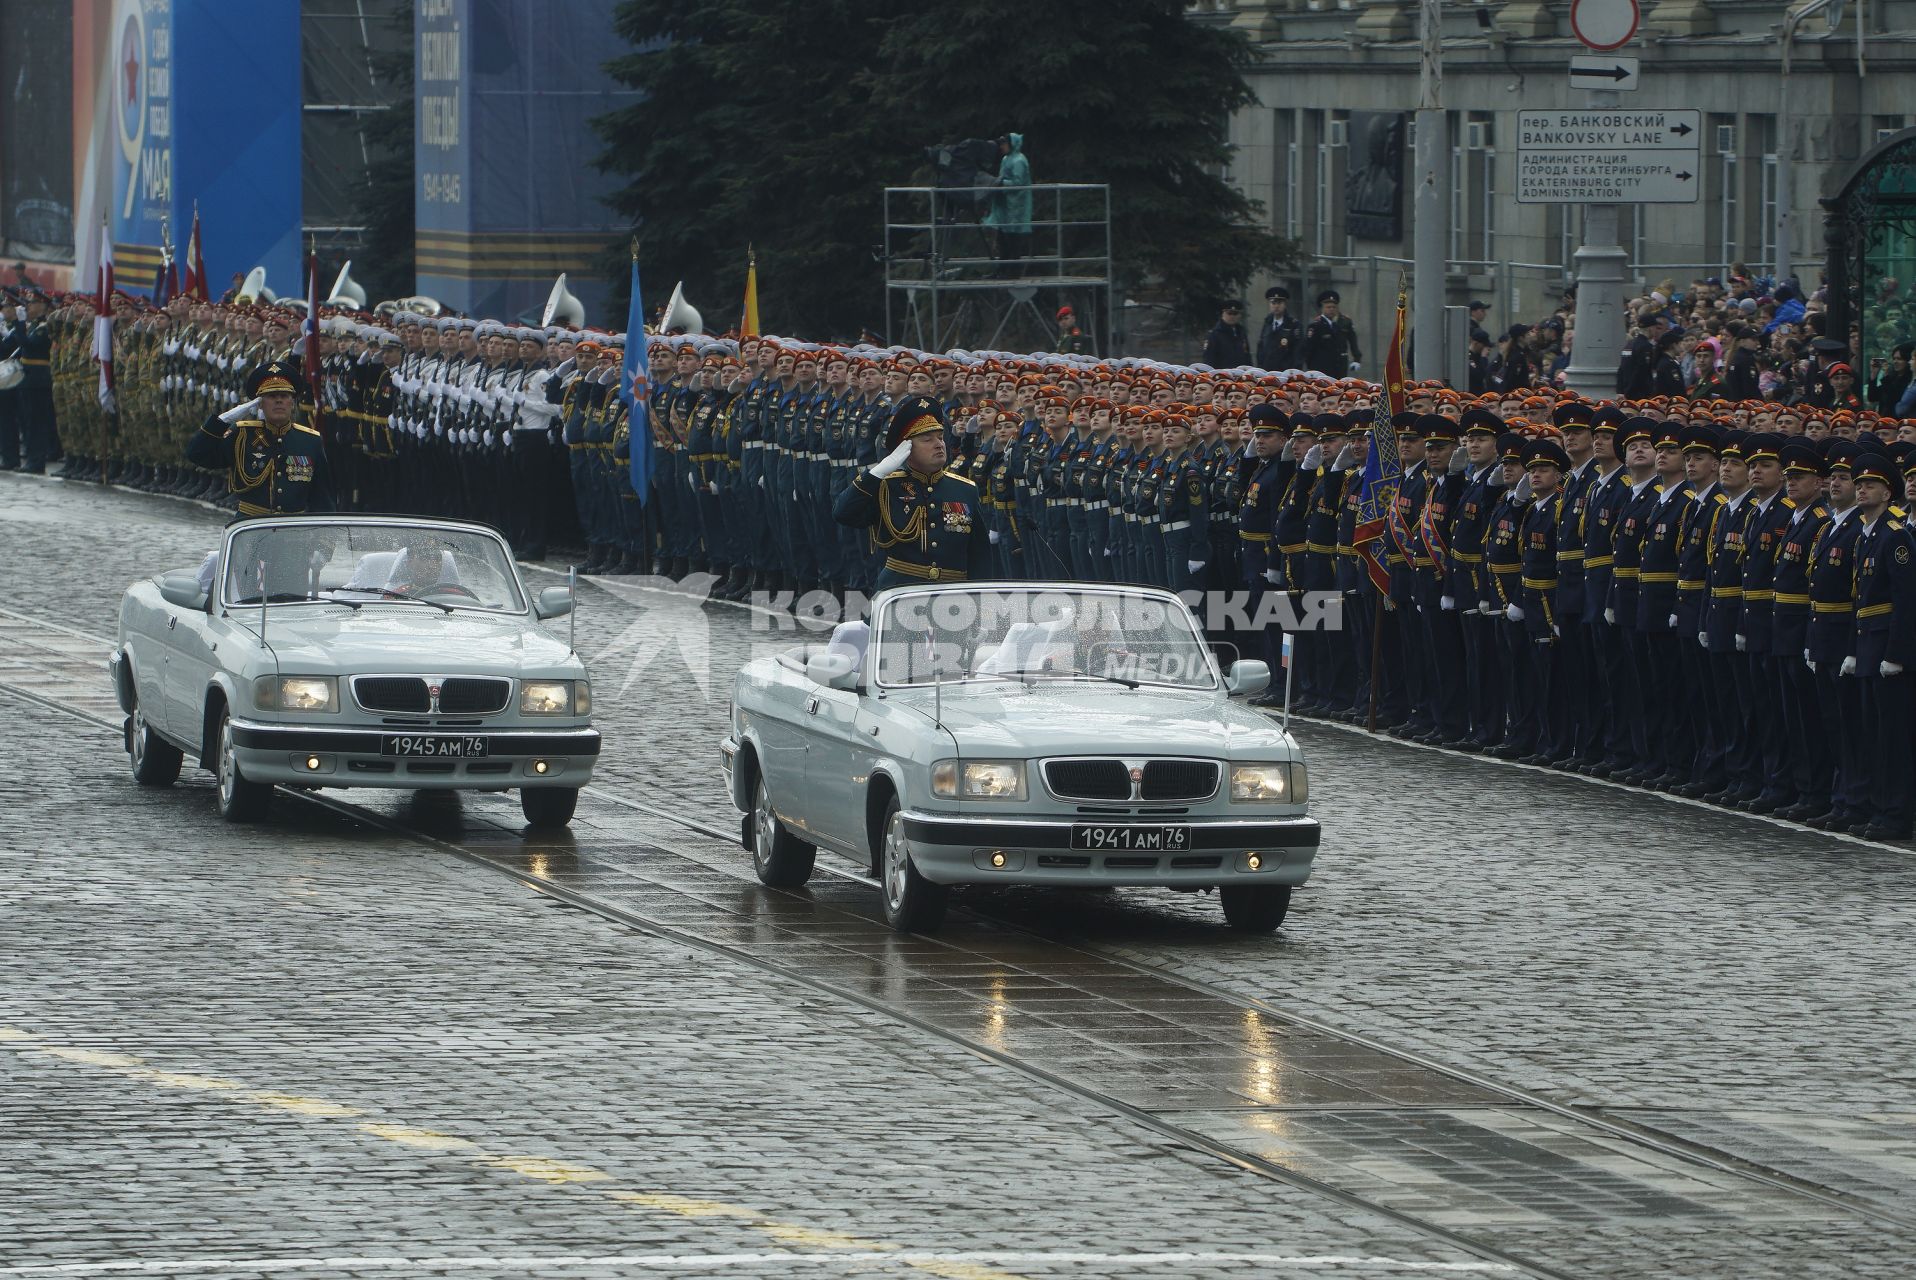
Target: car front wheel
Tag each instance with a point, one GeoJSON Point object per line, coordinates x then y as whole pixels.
{"type": "Point", "coordinates": [1255, 908]}
{"type": "Point", "coordinates": [782, 860]}
{"type": "Point", "coordinates": [548, 806]}
{"type": "Point", "coordinates": [240, 800]}
{"type": "Point", "coordinates": [156, 762]}
{"type": "Point", "coordinates": [913, 904]}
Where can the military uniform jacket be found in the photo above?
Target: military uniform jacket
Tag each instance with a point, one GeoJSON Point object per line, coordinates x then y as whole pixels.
{"type": "Point", "coordinates": [1693, 559]}
{"type": "Point", "coordinates": [1401, 530]}
{"type": "Point", "coordinates": [270, 472]}
{"type": "Point", "coordinates": [35, 350]}
{"type": "Point", "coordinates": [1539, 580]}
{"type": "Point", "coordinates": [1832, 584]}
{"type": "Point", "coordinates": [1503, 552]}
{"type": "Point", "coordinates": [1468, 582]}
{"type": "Point", "coordinates": [930, 528]}
{"type": "Point", "coordinates": [1885, 597]}
{"type": "Point", "coordinates": [1790, 603]}
{"type": "Point", "coordinates": [1596, 537]}
{"type": "Point", "coordinates": [1723, 582]}
{"type": "Point", "coordinates": [1431, 537]}
{"type": "Point", "coordinates": [1762, 541]}
{"type": "Point", "coordinates": [1633, 526]}
{"type": "Point", "coordinates": [1657, 567]}
{"type": "Point", "coordinates": [1577, 487]}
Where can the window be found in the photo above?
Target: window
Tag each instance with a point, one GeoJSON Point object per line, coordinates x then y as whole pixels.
{"type": "Point", "coordinates": [1728, 178]}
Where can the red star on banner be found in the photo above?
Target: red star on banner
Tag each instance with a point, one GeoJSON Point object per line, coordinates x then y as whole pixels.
{"type": "Point", "coordinates": [132, 69]}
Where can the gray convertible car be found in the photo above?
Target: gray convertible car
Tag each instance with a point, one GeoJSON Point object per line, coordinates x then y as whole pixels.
{"type": "Point", "coordinates": [1020, 734]}
{"type": "Point", "coordinates": [355, 651]}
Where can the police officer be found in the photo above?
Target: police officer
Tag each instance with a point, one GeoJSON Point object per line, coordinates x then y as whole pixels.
{"type": "Point", "coordinates": [926, 522]}
{"type": "Point", "coordinates": [1330, 340]}
{"type": "Point", "coordinates": [1226, 346]}
{"type": "Point", "coordinates": [1281, 338]}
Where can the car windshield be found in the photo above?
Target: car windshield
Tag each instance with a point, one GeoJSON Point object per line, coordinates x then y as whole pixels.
{"type": "Point", "coordinates": [370, 563]}
{"type": "Point", "coordinates": [1036, 635]}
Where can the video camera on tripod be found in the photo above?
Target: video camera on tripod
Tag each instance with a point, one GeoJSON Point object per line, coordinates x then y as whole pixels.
{"type": "Point", "coordinates": [971, 163]}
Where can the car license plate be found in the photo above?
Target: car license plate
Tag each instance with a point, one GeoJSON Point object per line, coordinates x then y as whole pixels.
{"type": "Point", "coordinates": [1125, 838]}
{"type": "Point", "coordinates": [456, 746]}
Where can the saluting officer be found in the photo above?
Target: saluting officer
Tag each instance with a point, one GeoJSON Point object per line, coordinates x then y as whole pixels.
{"type": "Point", "coordinates": [925, 520]}
{"type": "Point", "coordinates": [273, 464]}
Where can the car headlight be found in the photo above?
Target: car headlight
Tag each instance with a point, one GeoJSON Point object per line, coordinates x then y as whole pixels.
{"type": "Point", "coordinates": [546, 698]}
{"type": "Point", "coordinates": [296, 693]}
{"type": "Point", "coordinates": [1274, 783]}
{"type": "Point", "coordinates": [978, 779]}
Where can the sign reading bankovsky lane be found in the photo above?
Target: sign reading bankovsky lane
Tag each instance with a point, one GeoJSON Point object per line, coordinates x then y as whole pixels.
{"type": "Point", "coordinates": [1608, 156]}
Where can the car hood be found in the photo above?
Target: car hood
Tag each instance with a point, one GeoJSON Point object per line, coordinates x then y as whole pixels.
{"type": "Point", "coordinates": [408, 638]}
{"type": "Point", "coordinates": [1051, 719]}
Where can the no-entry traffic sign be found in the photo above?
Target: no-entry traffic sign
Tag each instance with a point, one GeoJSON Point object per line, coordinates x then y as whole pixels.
{"type": "Point", "coordinates": [1604, 24]}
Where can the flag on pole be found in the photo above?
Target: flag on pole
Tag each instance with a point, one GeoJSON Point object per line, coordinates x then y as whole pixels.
{"type": "Point", "coordinates": [1383, 468]}
{"type": "Point", "coordinates": [161, 293]}
{"type": "Point", "coordinates": [310, 361]}
{"type": "Point", "coordinates": [748, 326]}
{"type": "Point", "coordinates": [103, 319]}
{"type": "Point", "coordinates": [1289, 639]}
{"type": "Point", "coordinates": [635, 387]}
{"type": "Point", "coordinates": [196, 262]}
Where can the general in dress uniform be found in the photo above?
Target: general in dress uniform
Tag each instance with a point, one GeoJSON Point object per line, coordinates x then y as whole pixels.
{"type": "Point", "coordinates": [925, 521]}
{"type": "Point", "coordinates": [274, 465]}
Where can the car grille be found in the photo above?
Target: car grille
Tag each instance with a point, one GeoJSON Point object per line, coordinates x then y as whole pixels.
{"type": "Point", "coordinates": [1088, 779]}
{"type": "Point", "coordinates": [476, 697]}
{"type": "Point", "coordinates": [1178, 780]}
{"type": "Point", "coordinates": [1109, 778]}
{"type": "Point", "coordinates": [392, 693]}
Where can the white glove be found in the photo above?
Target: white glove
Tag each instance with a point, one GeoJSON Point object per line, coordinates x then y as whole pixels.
{"type": "Point", "coordinates": [1610, 615]}
{"type": "Point", "coordinates": [1742, 644]}
{"type": "Point", "coordinates": [1356, 365]}
{"type": "Point", "coordinates": [892, 461]}
{"type": "Point", "coordinates": [1313, 458]}
{"type": "Point", "coordinates": [693, 481]}
{"type": "Point", "coordinates": [1273, 577]}
{"type": "Point", "coordinates": [761, 482]}
{"type": "Point", "coordinates": [1522, 491]}
{"type": "Point", "coordinates": [1514, 613]}
{"type": "Point", "coordinates": [1459, 461]}
{"type": "Point", "coordinates": [712, 488]}
{"type": "Point", "coordinates": [1346, 458]}
{"type": "Point", "coordinates": [1288, 452]}
{"type": "Point", "coordinates": [1556, 630]}
{"type": "Point", "coordinates": [1673, 620]}
{"type": "Point", "coordinates": [794, 495]}
{"type": "Point", "coordinates": [1889, 668]}
{"type": "Point", "coordinates": [488, 438]}
{"type": "Point", "coordinates": [239, 411]}
{"type": "Point", "coordinates": [1810, 665]}
{"type": "Point", "coordinates": [1849, 666]}
{"type": "Point", "coordinates": [1484, 606]}
{"type": "Point", "coordinates": [993, 536]}
{"type": "Point", "coordinates": [1447, 603]}
{"type": "Point", "coordinates": [439, 430]}
{"type": "Point", "coordinates": [1195, 565]}
{"type": "Point", "coordinates": [1703, 639]}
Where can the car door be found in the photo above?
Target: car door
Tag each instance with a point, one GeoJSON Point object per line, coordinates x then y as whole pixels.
{"type": "Point", "coordinates": [837, 759]}
{"type": "Point", "coordinates": [190, 663]}
{"type": "Point", "coordinates": [779, 707]}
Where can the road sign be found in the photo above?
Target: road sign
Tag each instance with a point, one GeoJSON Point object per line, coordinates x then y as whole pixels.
{"type": "Point", "coordinates": [1604, 24]}
{"type": "Point", "coordinates": [1603, 71]}
{"type": "Point", "coordinates": [1608, 156]}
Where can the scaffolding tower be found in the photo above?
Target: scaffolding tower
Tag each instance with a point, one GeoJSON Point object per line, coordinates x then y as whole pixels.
{"type": "Point", "coordinates": [951, 281]}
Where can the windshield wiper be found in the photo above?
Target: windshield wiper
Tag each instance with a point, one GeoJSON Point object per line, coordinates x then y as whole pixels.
{"type": "Point", "coordinates": [278, 597]}
{"type": "Point", "coordinates": [1088, 675]}
{"type": "Point", "coordinates": [389, 594]}
{"type": "Point", "coordinates": [354, 605]}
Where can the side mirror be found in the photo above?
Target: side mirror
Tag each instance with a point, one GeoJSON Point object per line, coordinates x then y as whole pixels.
{"type": "Point", "coordinates": [834, 668]}
{"type": "Point", "coordinates": [1246, 677]}
{"type": "Point", "coordinates": [553, 602]}
{"type": "Point", "coordinates": [182, 590]}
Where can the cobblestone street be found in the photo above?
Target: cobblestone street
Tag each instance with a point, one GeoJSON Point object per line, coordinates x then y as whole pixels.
{"type": "Point", "coordinates": [1516, 1024]}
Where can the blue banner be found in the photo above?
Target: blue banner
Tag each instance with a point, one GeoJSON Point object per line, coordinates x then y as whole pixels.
{"type": "Point", "coordinates": [635, 387]}
{"type": "Point", "coordinates": [206, 108]}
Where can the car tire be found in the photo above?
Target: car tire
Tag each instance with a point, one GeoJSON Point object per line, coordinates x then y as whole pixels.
{"type": "Point", "coordinates": [239, 800]}
{"type": "Point", "coordinates": [156, 762]}
{"type": "Point", "coordinates": [547, 807]}
{"type": "Point", "coordinates": [913, 904]}
{"type": "Point", "coordinates": [781, 859]}
{"type": "Point", "coordinates": [1255, 908]}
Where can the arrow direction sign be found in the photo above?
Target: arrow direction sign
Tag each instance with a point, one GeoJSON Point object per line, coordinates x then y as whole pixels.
{"type": "Point", "coordinates": [1608, 156]}
{"type": "Point", "coordinates": [1588, 71]}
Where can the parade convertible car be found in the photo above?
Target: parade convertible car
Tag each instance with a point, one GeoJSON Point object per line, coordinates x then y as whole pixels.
{"type": "Point", "coordinates": [344, 651]}
{"type": "Point", "coordinates": [1074, 735]}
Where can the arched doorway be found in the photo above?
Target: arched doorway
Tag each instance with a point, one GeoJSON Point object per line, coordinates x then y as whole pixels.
{"type": "Point", "coordinates": [1871, 229]}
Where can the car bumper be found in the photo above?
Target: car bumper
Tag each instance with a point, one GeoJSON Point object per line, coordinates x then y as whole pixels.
{"type": "Point", "coordinates": [321, 757]}
{"type": "Point", "coordinates": [958, 849]}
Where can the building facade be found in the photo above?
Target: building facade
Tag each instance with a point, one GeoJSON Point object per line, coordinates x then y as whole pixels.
{"type": "Point", "coordinates": [1337, 83]}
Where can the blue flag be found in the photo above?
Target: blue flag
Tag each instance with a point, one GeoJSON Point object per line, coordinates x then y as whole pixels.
{"type": "Point", "coordinates": [635, 388]}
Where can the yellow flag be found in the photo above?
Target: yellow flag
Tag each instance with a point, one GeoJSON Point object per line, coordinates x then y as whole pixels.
{"type": "Point", "coordinates": [748, 327]}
